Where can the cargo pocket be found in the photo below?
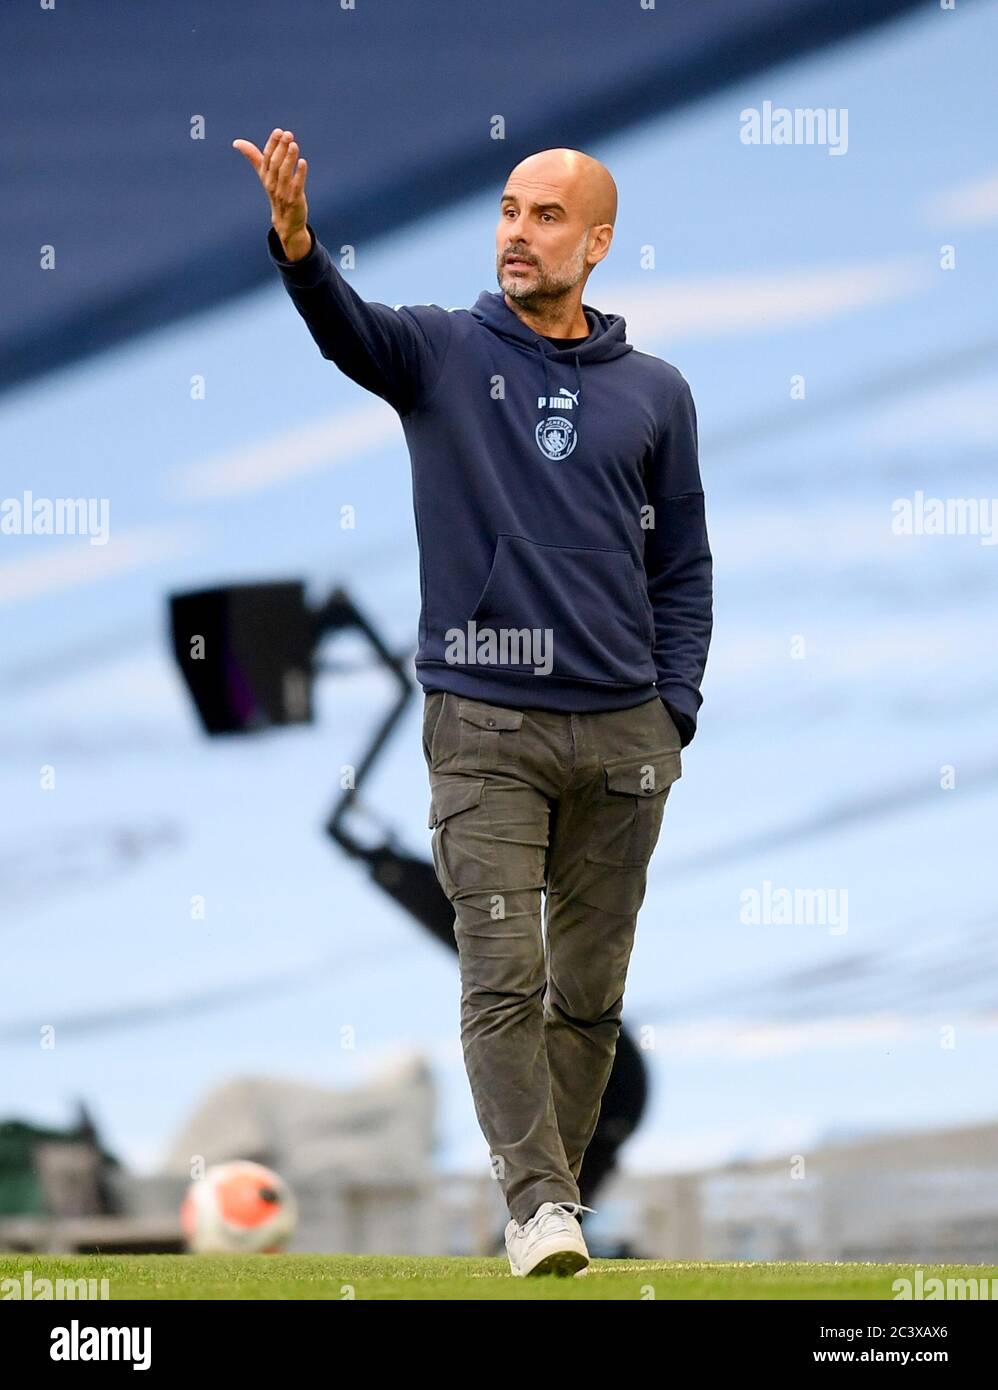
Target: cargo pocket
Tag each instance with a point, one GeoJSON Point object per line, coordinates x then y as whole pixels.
{"type": "Point", "coordinates": [487, 735]}
{"type": "Point", "coordinates": [627, 825]}
{"type": "Point", "coordinates": [451, 797]}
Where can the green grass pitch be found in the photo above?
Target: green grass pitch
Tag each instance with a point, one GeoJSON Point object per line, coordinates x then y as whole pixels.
{"type": "Point", "coordinates": [411, 1277]}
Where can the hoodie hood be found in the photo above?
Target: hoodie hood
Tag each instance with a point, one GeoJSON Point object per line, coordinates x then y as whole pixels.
{"type": "Point", "coordinates": [607, 332]}
{"type": "Point", "coordinates": [607, 340]}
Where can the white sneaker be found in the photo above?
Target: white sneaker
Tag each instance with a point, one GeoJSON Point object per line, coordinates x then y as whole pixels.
{"type": "Point", "coordinates": [550, 1242]}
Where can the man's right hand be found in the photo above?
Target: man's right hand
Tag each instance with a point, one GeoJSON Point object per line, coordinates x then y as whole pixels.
{"type": "Point", "coordinates": [282, 174]}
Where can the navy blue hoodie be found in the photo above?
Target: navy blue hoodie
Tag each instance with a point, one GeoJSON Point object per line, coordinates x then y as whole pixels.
{"type": "Point", "coordinates": [564, 560]}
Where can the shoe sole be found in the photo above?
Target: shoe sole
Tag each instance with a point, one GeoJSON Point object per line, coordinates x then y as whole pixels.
{"type": "Point", "coordinates": [560, 1262]}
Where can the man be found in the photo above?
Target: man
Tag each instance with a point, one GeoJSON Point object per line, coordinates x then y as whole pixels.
{"type": "Point", "coordinates": [566, 614]}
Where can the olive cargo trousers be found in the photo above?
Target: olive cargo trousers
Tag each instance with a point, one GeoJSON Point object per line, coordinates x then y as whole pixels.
{"type": "Point", "coordinates": [525, 801]}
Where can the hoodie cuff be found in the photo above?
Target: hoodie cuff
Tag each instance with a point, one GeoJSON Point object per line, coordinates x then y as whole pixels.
{"type": "Point", "coordinates": [685, 722]}
{"type": "Point", "coordinates": [306, 272]}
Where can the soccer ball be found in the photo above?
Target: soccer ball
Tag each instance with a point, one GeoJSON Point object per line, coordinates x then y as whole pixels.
{"type": "Point", "coordinates": [238, 1208]}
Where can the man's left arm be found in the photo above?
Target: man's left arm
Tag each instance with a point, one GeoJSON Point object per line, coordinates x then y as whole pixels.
{"type": "Point", "coordinates": [678, 566]}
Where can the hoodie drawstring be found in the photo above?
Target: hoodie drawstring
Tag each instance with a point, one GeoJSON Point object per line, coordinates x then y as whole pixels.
{"type": "Point", "coordinates": [544, 358]}
{"type": "Point", "coordinates": [547, 390]}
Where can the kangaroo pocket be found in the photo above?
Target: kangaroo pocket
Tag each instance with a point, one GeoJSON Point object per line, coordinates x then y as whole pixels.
{"type": "Point", "coordinates": [568, 611]}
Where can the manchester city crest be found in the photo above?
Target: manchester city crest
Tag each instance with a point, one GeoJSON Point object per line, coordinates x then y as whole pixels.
{"type": "Point", "coordinates": [555, 436]}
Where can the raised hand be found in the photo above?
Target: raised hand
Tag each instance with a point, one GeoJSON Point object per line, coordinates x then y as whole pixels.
{"type": "Point", "coordinates": [283, 174]}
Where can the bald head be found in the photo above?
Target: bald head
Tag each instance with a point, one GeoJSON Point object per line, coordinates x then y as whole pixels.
{"type": "Point", "coordinates": [556, 217]}
{"type": "Point", "coordinates": [570, 175]}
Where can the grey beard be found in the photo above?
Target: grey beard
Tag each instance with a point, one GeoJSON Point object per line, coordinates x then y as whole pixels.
{"type": "Point", "coordinates": [548, 290]}
{"type": "Point", "coordinates": [545, 292]}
